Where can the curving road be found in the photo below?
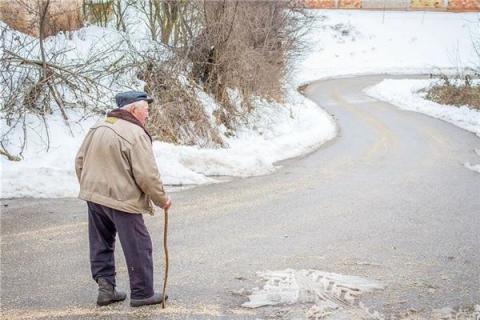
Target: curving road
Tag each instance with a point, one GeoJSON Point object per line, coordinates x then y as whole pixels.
{"type": "Point", "coordinates": [388, 199]}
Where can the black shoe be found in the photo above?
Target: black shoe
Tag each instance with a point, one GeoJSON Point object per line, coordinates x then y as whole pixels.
{"type": "Point", "coordinates": [155, 299]}
{"type": "Point", "coordinates": [108, 294]}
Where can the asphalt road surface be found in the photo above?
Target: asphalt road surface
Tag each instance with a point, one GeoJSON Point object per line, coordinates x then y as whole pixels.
{"type": "Point", "coordinates": [389, 200]}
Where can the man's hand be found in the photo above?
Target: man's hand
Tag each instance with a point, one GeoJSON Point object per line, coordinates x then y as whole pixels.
{"type": "Point", "coordinates": [167, 205]}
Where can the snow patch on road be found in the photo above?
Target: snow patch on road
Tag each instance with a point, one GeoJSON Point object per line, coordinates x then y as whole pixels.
{"type": "Point", "coordinates": [314, 293]}
{"type": "Point", "coordinates": [473, 167]}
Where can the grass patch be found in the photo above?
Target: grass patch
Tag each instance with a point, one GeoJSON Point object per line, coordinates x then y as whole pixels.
{"type": "Point", "coordinates": [456, 92]}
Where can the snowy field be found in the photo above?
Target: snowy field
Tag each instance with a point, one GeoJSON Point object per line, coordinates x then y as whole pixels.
{"type": "Point", "coordinates": [345, 42]}
{"type": "Point", "coordinates": [340, 43]}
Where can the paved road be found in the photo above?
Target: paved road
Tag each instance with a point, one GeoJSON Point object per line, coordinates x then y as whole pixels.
{"type": "Point", "coordinates": [389, 199]}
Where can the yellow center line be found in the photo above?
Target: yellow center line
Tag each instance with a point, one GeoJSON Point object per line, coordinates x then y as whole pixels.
{"type": "Point", "coordinates": [386, 138]}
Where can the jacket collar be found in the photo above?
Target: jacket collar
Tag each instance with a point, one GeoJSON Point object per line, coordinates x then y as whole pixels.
{"type": "Point", "coordinates": [127, 116]}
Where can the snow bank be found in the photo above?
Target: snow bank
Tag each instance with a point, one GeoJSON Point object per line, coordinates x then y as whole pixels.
{"type": "Point", "coordinates": [409, 94]}
{"type": "Point", "coordinates": [273, 132]}
{"type": "Point", "coordinates": [44, 174]}
{"type": "Point", "coordinates": [95, 46]}
{"type": "Point", "coordinates": [406, 94]}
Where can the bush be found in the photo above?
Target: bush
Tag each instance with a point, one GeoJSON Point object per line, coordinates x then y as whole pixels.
{"type": "Point", "coordinates": [456, 93]}
{"type": "Point", "coordinates": [247, 46]}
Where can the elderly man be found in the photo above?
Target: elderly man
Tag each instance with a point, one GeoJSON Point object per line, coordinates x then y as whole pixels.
{"type": "Point", "coordinates": [119, 179]}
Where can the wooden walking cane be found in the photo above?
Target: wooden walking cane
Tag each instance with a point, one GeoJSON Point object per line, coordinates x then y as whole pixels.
{"type": "Point", "coordinates": [165, 229]}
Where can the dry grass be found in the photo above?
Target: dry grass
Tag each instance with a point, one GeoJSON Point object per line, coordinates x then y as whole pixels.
{"type": "Point", "coordinates": [456, 93]}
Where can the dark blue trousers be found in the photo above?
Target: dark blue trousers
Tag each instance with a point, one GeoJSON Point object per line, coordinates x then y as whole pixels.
{"type": "Point", "coordinates": [103, 225]}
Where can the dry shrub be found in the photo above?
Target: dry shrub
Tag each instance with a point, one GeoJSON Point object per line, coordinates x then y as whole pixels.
{"type": "Point", "coordinates": [245, 45]}
{"type": "Point", "coordinates": [23, 15]}
{"type": "Point", "coordinates": [176, 115]}
{"type": "Point", "coordinates": [457, 93]}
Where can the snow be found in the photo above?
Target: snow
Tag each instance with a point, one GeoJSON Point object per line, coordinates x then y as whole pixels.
{"type": "Point", "coordinates": [341, 42]}
{"type": "Point", "coordinates": [352, 42]}
{"type": "Point", "coordinates": [315, 293]}
{"type": "Point", "coordinates": [45, 174]}
{"type": "Point", "coordinates": [474, 167]}
{"type": "Point", "coordinates": [276, 132]}
{"type": "Point", "coordinates": [306, 286]}
{"type": "Point", "coordinates": [75, 49]}
{"type": "Point", "coordinates": [409, 94]}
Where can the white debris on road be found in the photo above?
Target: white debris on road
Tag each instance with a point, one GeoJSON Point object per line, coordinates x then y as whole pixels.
{"type": "Point", "coordinates": [312, 292]}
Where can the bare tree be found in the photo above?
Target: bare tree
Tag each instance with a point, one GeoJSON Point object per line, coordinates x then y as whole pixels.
{"type": "Point", "coordinates": [167, 20]}
{"type": "Point", "coordinates": [119, 10]}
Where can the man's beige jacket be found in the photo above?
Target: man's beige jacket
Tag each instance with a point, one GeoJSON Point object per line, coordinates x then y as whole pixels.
{"type": "Point", "coordinates": [116, 168]}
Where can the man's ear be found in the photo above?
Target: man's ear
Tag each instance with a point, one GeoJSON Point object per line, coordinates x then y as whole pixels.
{"type": "Point", "coordinates": [131, 108]}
